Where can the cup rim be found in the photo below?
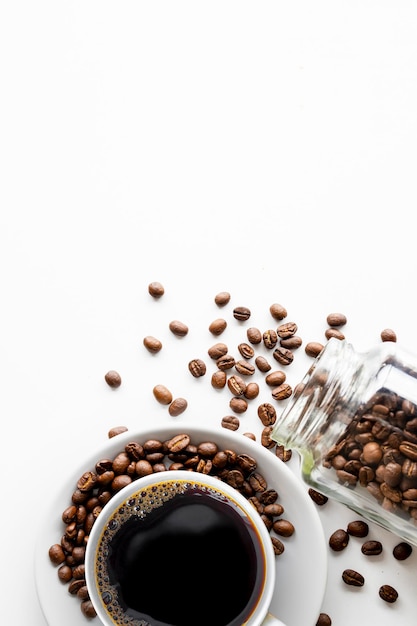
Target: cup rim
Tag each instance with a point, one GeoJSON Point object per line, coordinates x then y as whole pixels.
{"type": "Point", "coordinates": [180, 475]}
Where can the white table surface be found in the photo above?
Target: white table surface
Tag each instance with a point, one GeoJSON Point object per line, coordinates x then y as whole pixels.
{"type": "Point", "coordinates": [267, 149]}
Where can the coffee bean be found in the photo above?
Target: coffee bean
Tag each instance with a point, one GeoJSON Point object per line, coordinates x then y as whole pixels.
{"type": "Point", "coordinates": [292, 343]}
{"type": "Point", "coordinates": [388, 335]}
{"type": "Point", "coordinates": [336, 319]}
{"type": "Point", "coordinates": [217, 326]}
{"type": "Point", "coordinates": [254, 335]}
{"type": "Point", "coordinates": [402, 551]}
{"type": "Point", "coordinates": [251, 391]}
{"type": "Point", "coordinates": [283, 527]}
{"type": "Point", "coordinates": [162, 394]}
{"type": "Point", "coordinates": [267, 414]}
{"type": "Point", "coordinates": [338, 540]}
{"type": "Point", "coordinates": [219, 379]}
{"type": "Point", "coordinates": [238, 405]}
{"type": "Point", "coordinates": [262, 364]}
{"type": "Point", "coordinates": [113, 379]}
{"type": "Point", "coordinates": [250, 436]}
{"type": "Point", "coordinates": [270, 339]}
{"type": "Point", "coordinates": [241, 313]}
{"type": "Point", "coordinates": [284, 331]}
{"type": "Point", "coordinates": [152, 344]}
{"type": "Point", "coordinates": [246, 351]}
{"type": "Point", "coordinates": [352, 577]}
{"type": "Point", "coordinates": [222, 298]}
{"type": "Point", "coordinates": [226, 362]}
{"type": "Point", "coordinates": [317, 497]}
{"type": "Point", "coordinates": [324, 620]}
{"type": "Point", "coordinates": [197, 367]}
{"type": "Point", "coordinates": [283, 355]}
{"type": "Point", "coordinates": [88, 609]}
{"type": "Point", "coordinates": [177, 406]}
{"type": "Point", "coordinates": [282, 392]}
{"type": "Point", "coordinates": [277, 545]}
{"type": "Point", "coordinates": [371, 548]}
{"type": "Point", "coordinates": [245, 367]}
{"type": "Point", "coordinates": [283, 453]}
{"type": "Point", "coordinates": [231, 422]}
{"type": "Point", "coordinates": [236, 385]}
{"type": "Point", "coordinates": [277, 311]}
{"type": "Point", "coordinates": [388, 593]}
{"type": "Point", "coordinates": [266, 439]}
{"type": "Point", "coordinates": [156, 289]}
{"type": "Point", "coordinates": [358, 528]}
{"type": "Point", "coordinates": [334, 332]}
{"type": "Point", "coordinates": [276, 378]}
{"type": "Point", "coordinates": [313, 348]}
{"type": "Point", "coordinates": [178, 328]}
{"type": "Point", "coordinates": [56, 554]}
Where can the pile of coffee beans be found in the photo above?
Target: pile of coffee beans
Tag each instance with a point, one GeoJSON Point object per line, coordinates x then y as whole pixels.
{"type": "Point", "coordinates": [97, 486]}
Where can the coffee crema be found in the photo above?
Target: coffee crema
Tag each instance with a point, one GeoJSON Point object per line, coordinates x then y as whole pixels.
{"type": "Point", "coordinates": [180, 553]}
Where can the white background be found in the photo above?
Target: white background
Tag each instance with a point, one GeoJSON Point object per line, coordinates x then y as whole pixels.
{"type": "Point", "coordinates": [267, 149]}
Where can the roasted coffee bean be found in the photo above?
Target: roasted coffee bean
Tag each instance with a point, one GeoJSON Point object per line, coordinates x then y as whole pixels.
{"type": "Point", "coordinates": [251, 391]}
{"type": "Point", "coordinates": [250, 436]}
{"type": "Point", "coordinates": [162, 394]}
{"type": "Point", "coordinates": [338, 540]}
{"type": "Point", "coordinates": [69, 514]}
{"type": "Point", "coordinates": [121, 481]}
{"type": "Point", "coordinates": [219, 379]}
{"type": "Point", "coordinates": [217, 350]}
{"type": "Point", "coordinates": [266, 439]}
{"type": "Point", "coordinates": [245, 368]}
{"type": "Point", "coordinates": [231, 422]}
{"type": "Point", "coordinates": [56, 554]}
{"type": "Point", "coordinates": [225, 362]}
{"type": "Point", "coordinates": [218, 326]}
{"type": "Point", "coordinates": [177, 406]}
{"type": "Point", "coordinates": [246, 351]}
{"type": "Point", "coordinates": [153, 445]}
{"type": "Point", "coordinates": [278, 311]}
{"type": "Point", "coordinates": [238, 405]}
{"type": "Point", "coordinates": [336, 319]}
{"type": "Point", "coordinates": [283, 355]}
{"type": "Point", "coordinates": [324, 620]}
{"type": "Point", "coordinates": [65, 573]}
{"type": "Point", "coordinates": [222, 298]}
{"type": "Point", "coordinates": [276, 378]}
{"type": "Point", "coordinates": [402, 551]}
{"type": "Point", "coordinates": [352, 577]}
{"type": "Point", "coordinates": [388, 593]}
{"type": "Point", "coordinates": [75, 585]}
{"type": "Point", "coordinates": [197, 368]}
{"type": "Point", "coordinates": [156, 289]}
{"type": "Point", "coordinates": [283, 453]}
{"type": "Point", "coordinates": [254, 335]}
{"type": "Point", "coordinates": [388, 335]}
{"type": "Point", "coordinates": [283, 527]}
{"type": "Point", "coordinates": [262, 364]}
{"type": "Point", "coordinates": [121, 462]}
{"type": "Point", "coordinates": [292, 343]}
{"type": "Point", "coordinates": [116, 430]}
{"type": "Point", "coordinates": [267, 414]}
{"type": "Point", "coordinates": [113, 379]}
{"type": "Point", "coordinates": [207, 448]}
{"type": "Point", "coordinates": [235, 478]}
{"type": "Point", "coordinates": [288, 329]}
{"type": "Point", "coordinates": [319, 498]}
{"type": "Point", "coordinates": [334, 332]}
{"type": "Point", "coordinates": [88, 609]}
{"type": "Point", "coordinates": [152, 344]}
{"type": "Point", "coordinates": [409, 450]}
{"type": "Point", "coordinates": [270, 496]}
{"type": "Point", "coordinates": [282, 392]}
{"type": "Point", "coordinates": [246, 463]}
{"type": "Point", "coordinates": [358, 528]}
{"type": "Point", "coordinates": [277, 545]}
{"type": "Point", "coordinates": [270, 339]}
{"type": "Point", "coordinates": [178, 328]}
{"type": "Point", "coordinates": [257, 482]}
{"type": "Point", "coordinates": [313, 348]}
{"type": "Point", "coordinates": [371, 548]}
{"type": "Point", "coordinates": [241, 313]}
{"type": "Point", "coordinates": [87, 481]}
{"type": "Point", "coordinates": [236, 385]}
{"type": "Point", "coordinates": [143, 468]}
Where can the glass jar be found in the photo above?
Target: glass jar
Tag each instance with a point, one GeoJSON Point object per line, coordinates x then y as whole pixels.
{"type": "Point", "coordinates": [353, 421]}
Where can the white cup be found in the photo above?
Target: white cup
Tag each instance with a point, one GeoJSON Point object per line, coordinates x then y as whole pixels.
{"type": "Point", "coordinates": [165, 498]}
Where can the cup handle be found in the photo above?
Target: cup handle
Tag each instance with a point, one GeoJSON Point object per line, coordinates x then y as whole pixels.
{"type": "Point", "coordinates": [270, 620]}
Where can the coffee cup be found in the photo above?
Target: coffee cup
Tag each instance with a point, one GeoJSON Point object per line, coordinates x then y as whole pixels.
{"type": "Point", "coordinates": [180, 548]}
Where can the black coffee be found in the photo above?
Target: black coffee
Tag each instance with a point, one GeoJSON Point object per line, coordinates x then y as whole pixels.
{"type": "Point", "coordinates": [180, 555]}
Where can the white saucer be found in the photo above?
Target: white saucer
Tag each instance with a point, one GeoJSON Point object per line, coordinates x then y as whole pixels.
{"type": "Point", "coordinates": [301, 569]}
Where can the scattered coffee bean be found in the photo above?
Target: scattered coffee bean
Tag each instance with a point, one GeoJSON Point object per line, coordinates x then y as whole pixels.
{"type": "Point", "coordinates": [156, 289]}
{"type": "Point", "coordinates": [276, 378]}
{"type": "Point", "coordinates": [88, 609]}
{"type": "Point", "coordinates": [283, 453]}
{"type": "Point", "coordinates": [251, 391]}
{"type": "Point", "coordinates": [336, 319]}
{"type": "Point", "coordinates": [238, 405]}
{"type": "Point", "coordinates": [246, 351]}
{"type": "Point", "coordinates": [283, 355]}
{"type": "Point", "coordinates": [358, 528]}
{"type": "Point", "coordinates": [116, 430]}
{"type": "Point", "coordinates": [217, 350]}
{"type": "Point", "coordinates": [162, 394]}
{"type": "Point", "coordinates": [371, 548]}
{"type": "Point", "coordinates": [226, 362]}
{"type": "Point", "coordinates": [241, 313]}
{"type": "Point", "coordinates": [313, 348]}
{"type": "Point", "coordinates": [236, 385]}
{"type": "Point", "coordinates": [254, 335]}
{"type": "Point", "coordinates": [177, 406]}
{"type": "Point", "coordinates": [324, 620]}
{"type": "Point", "coordinates": [231, 422]}
{"type": "Point", "coordinates": [152, 344]}
{"type": "Point", "coordinates": [352, 577]}
{"type": "Point", "coordinates": [245, 367]}
{"type": "Point", "coordinates": [277, 311]}
{"type": "Point", "coordinates": [217, 326]}
{"type": "Point", "coordinates": [250, 436]}
{"type": "Point", "coordinates": [270, 338]}
{"type": "Point", "coordinates": [338, 540]}
{"type": "Point", "coordinates": [402, 551]}
{"type": "Point", "coordinates": [262, 364]}
{"type": "Point", "coordinates": [218, 379]}
{"type": "Point", "coordinates": [283, 527]}
{"type": "Point", "coordinates": [292, 343]}
{"type": "Point", "coordinates": [222, 298]}
{"type": "Point", "coordinates": [282, 392]}
{"type": "Point", "coordinates": [286, 330]}
{"type": "Point", "coordinates": [334, 332]}
{"type": "Point", "coordinates": [319, 498]}
{"type": "Point", "coordinates": [388, 593]}
{"type": "Point", "coordinates": [267, 414]}
{"type": "Point", "coordinates": [197, 368]}
{"type": "Point", "coordinates": [388, 335]}
{"type": "Point", "coordinates": [113, 379]}
{"type": "Point", "coordinates": [178, 328]}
